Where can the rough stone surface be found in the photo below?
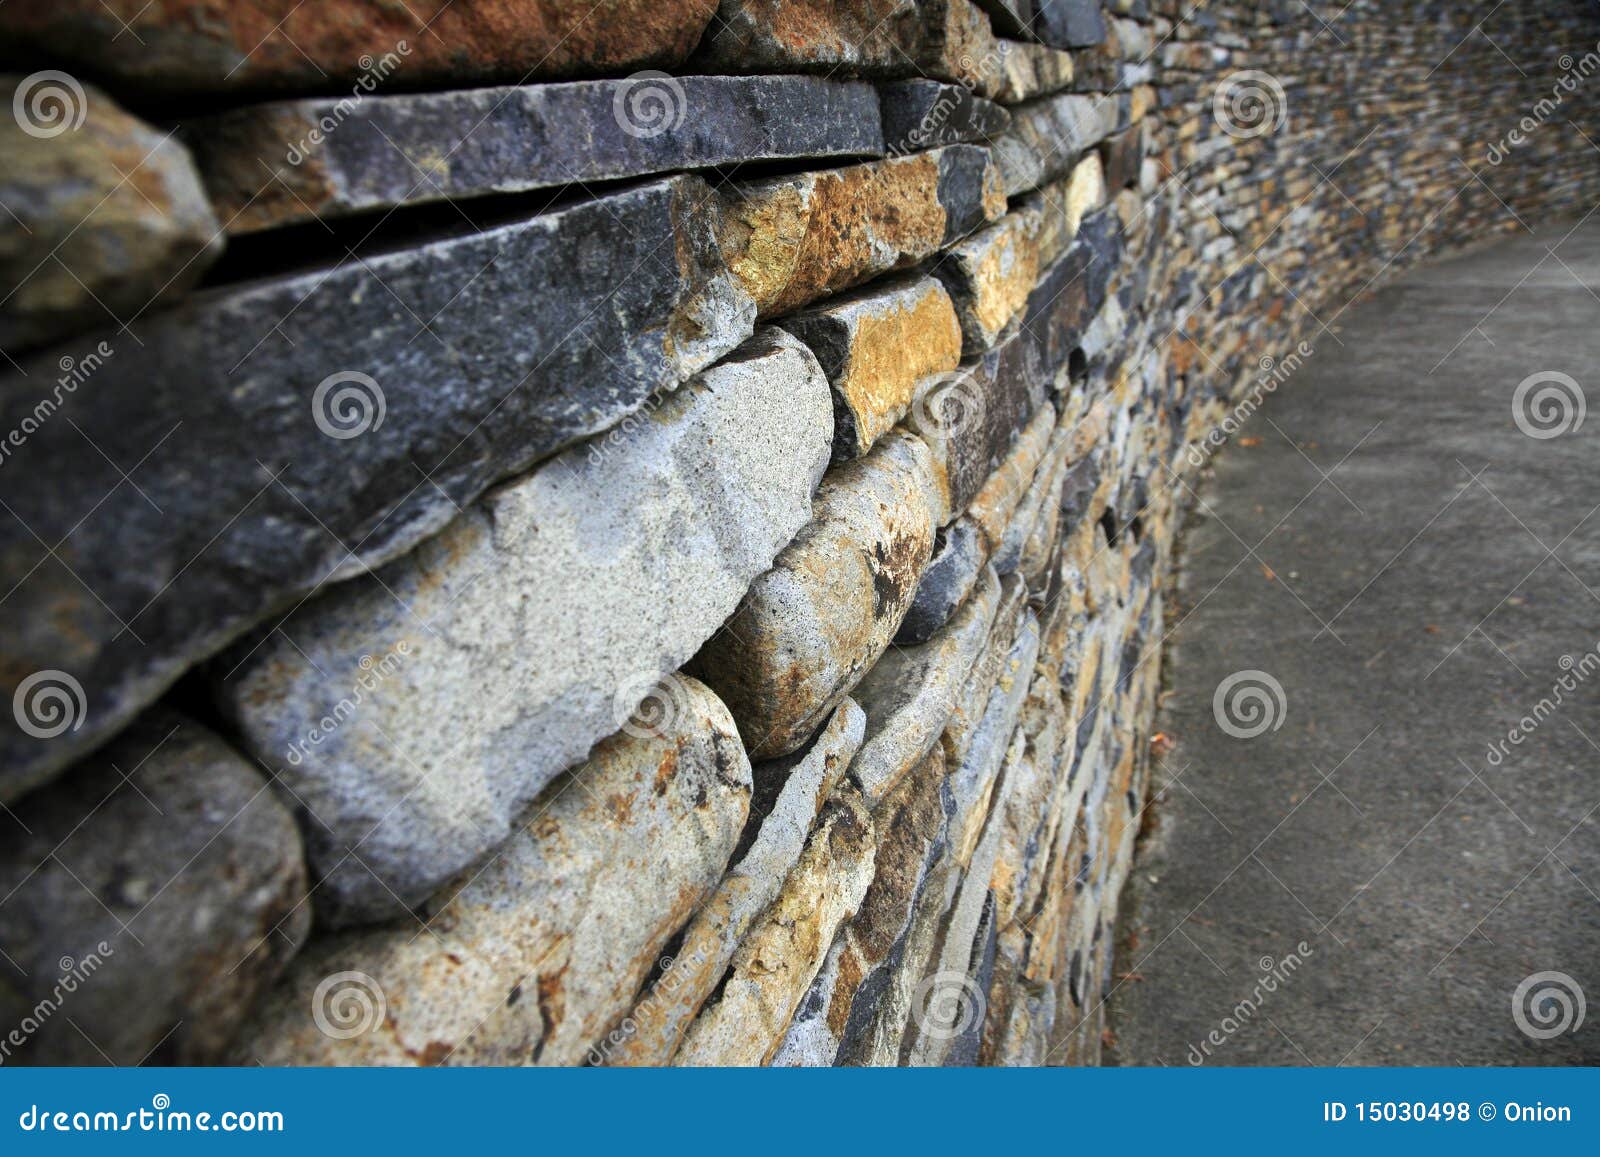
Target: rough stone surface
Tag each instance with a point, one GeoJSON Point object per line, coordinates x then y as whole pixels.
{"type": "Point", "coordinates": [834, 1017]}
{"type": "Point", "coordinates": [970, 419]}
{"type": "Point", "coordinates": [273, 164]}
{"type": "Point", "coordinates": [533, 626]}
{"type": "Point", "coordinates": [775, 966]}
{"type": "Point", "coordinates": [200, 46]}
{"type": "Point", "coordinates": [1029, 71]}
{"type": "Point", "coordinates": [973, 699]}
{"type": "Point", "coordinates": [879, 348]}
{"type": "Point", "coordinates": [792, 240]}
{"type": "Point", "coordinates": [924, 114]}
{"type": "Point", "coordinates": [944, 39]}
{"type": "Point", "coordinates": [149, 898]}
{"type": "Point", "coordinates": [814, 624]}
{"type": "Point", "coordinates": [990, 276]}
{"type": "Point", "coordinates": [1047, 135]}
{"type": "Point", "coordinates": [103, 219]}
{"type": "Point", "coordinates": [909, 694]}
{"type": "Point", "coordinates": [994, 506]}
{"type": "Point", "coordinates": [952, 572]}
{"type": "Point", "coordinates": [489, 351]}
{"type": "Point", "coordinates": [1069, 295]}
{"type": "Point", "coordinates": [1062, 206]}
{"type": "Point", "coordinates": [795, 791]}
{"type": "Point", "coordinates": [532, 955]}
{"type": "Point", "coordinates": [1067, 23]}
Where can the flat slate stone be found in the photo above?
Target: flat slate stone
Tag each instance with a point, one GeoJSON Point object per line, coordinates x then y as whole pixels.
{"type": "Point", "coordinates": [162, 883]}
{"type": "Point", "coordinates": [1067, 23]}
{"type": "Point", "coordinates": [293, 161]}
{"type": "Point", "coordinates": [970, 418]}
{"type": "Point", "coordinates": [286, 432]}
{"type": "Point", "coordinates": [925, 114]}
{"type": "Point", "coordinates": [572, 591]}
{"type": "Point", "coordinates": [776, 831]}
{"type": "Point", "coordinates": [958, 558]}
{"type": "Point", "coordinates": [814, 624]}
{"type": "Point", "coordinates": [879, 347]}
{"type": "Point", "coordinates": [103, 220]}
{"type": "Point", "coordinates": [793, 240]}
{"type": "Point", "coordinates": [909, 693]}
{"type": "Point", "coordinates": [994, 507]}
{"type": "Point", "coordinates": [945, 39]}
{"type": "Point", "coordinates": [990, 274]}
{"type": "Point", "coordinates": [1047, 135]}
{"type": "Point", "coordinates": [223, 46]}
{"type": "Point", "coordinates": [1069, 295]}
{"type": "Point", "coordinates": [836, 1014]}
{"type": "Point", "coordinates": [770, 973]}
{"type": "Point", "coordinates": [529, 957]}
{"type": "Point", "coordinates": [1029, 71]}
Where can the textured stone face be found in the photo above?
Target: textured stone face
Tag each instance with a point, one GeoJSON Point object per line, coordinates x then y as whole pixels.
{"type": "Point", "coordinates": [992, 509]}
{"type": "Point", "coordinates": [813, 625]}
{"type": "Point", "coordinates": [1047, 135]}
{"type": "Point", "coordinates": [530, 956]}
{"type": "Point", "coordinates": [533, 626]}
{"type": "Point", "coordinates": [835, 1015]}
{"type": "Point", "coordinates": [1062, 206]}
{"type": "Point", "coordinates": [952, 572]}
{"type": "Point", "coordinates": [879, 348]}
{"type": "Point", "coordinates": [1070, 293]}
{"type": "Point", "coordinates": [970, 419]}
{"type": "Point", "coordinates": [162, 885]}
{"type": "Point", "coordinates": [392, 391]}
{"type": "Point", "coordinates": [1029, 71]}
{"type": "Point", "coordinates": [792, 240]}
{"type": "Point", "coordinates": [924, 114]}
{"type": "Point", "coordinates": [990, 275]}
{"type": "Point", "coordinates": [775, 966]}
{"type": "Point", "coordinates": [909, 694]}
{"type": "Point", "coordinates": [1067, 23]}
{"type": "Point", "coordinates": [651, 1034]}
{"type": "Point", "coordinates": [272, 164]}
{"type": "Point", "coordinates": [943, 39]}
{"type": "Point", "coordinates": [197, 46]}
{"type": "Point", "coordinates": [102, 221]}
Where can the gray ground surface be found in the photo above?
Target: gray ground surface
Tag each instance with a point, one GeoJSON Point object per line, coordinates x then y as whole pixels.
{"type": "Point", "coordinates": [1434, 568]}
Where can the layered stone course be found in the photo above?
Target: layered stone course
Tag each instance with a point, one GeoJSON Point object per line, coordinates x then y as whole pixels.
{"type": "Point", "coordinates": [636, 534]}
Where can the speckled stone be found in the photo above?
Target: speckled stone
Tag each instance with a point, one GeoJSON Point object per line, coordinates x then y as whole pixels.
{"type": "Point", "coordinates": [533, 626]}
{"type": "Point", "coordinates": [529, 957]}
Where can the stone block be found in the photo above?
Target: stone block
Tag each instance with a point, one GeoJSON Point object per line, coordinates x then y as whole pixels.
{"type": "Point", "coordinates": [530, 956]}
{"type": "Point", "coordinates": [879, 347]}
{"type": "Point", "coordinates": [813, 625]}
{"type": "Point", "coordinates": [792, 240]}
{"type": "Point", "coordinates": [288, 162]}
{"type": "Point", "coordinates": [533, 626]}
{"type": "Point", "coordinates": [924, 114]}
{"type": "Point", "coordinates": [297, 430]}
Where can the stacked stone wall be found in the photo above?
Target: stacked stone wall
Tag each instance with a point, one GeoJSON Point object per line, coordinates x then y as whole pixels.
{"type": "Point", "coordinates": [634, 532]}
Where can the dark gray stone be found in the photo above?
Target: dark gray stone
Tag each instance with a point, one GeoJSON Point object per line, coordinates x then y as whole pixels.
{"type": "Point", "coordinates": [1066, 23]}
{"type": "Point", "coordinates": [149, 898]}
{"type": "Point", "coordinates": [924, 114]}
{"type": "Point", "coordinates": [958, 558]}
{"type": "Point", "coordinates": [971, 419]}
{"type": "Point", "coordinates": [1070, 294]}
{"type": "Point", "coordinates": [271, 164]}
{"type": "Point", "coordinates": [489, 351]}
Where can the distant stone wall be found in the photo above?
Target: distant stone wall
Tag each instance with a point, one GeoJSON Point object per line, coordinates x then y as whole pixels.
{"type": "Point", "coordinates": [659, 561]}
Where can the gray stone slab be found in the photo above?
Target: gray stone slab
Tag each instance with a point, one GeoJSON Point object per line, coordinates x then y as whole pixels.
{"type": "Point", "coordinates": [282, 433]}
{"type": "Point", "coordinates": [293, 161]}
{"type": "Point", "coordinates": [924, 114]}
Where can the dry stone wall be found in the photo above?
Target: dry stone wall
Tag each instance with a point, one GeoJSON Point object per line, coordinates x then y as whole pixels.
{"type": "Point", "coordinates": [633, 533]}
